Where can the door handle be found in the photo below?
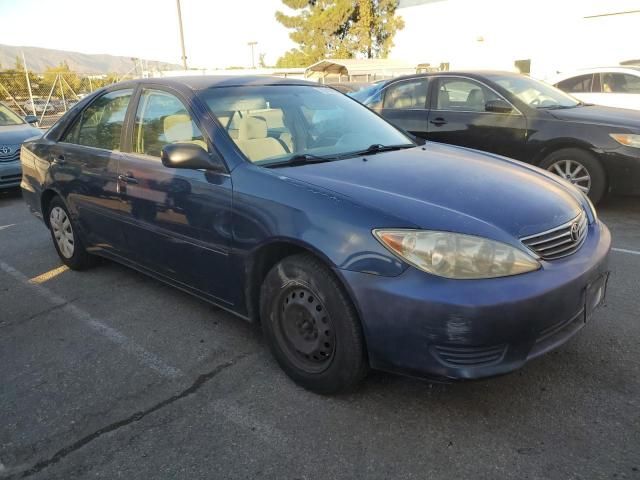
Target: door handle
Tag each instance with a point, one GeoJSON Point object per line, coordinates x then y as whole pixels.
{"type": "Point", "coordinates": [59, 160]}
{"type": "Point", "coordinates": [438, 121]}
{"type": "Point", "coordinates": [128, 178]}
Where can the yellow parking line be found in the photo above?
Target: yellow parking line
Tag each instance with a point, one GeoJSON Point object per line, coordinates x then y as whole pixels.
{"type": "Point", "coordinates": [49, 275]}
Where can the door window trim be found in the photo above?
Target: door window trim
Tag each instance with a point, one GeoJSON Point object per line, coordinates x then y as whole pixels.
{"type": "Point", "coordinates": [516, 110]}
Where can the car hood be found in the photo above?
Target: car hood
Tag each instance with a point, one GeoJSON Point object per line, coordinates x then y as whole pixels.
{"type": "Point", "coordinates": [449, 188]}
{"type": "Point", "coordinates": [16, 134]}
{"type": "Point", "coordinates": [621, 117]}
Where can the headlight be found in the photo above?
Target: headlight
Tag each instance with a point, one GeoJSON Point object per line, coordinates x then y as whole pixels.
{"type": "Point", "coordinates": [626, 139]}
{"type": "Point", "coordinates": [454, 255]}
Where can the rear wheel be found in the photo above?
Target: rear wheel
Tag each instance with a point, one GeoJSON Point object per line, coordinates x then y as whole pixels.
{"type": "Point", "coordinates": [580, 168]}
{"type": "Point", "coordinates": [311, 326]}
{"type": "Point", "coordinates": [66, 237]}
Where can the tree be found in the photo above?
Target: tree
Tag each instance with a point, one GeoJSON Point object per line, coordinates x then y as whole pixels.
{"type": "Point", "coordinates": [339, 29]}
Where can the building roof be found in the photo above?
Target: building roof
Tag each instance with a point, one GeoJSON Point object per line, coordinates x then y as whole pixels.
{"type": "Point", "coordinates": [353, 66]}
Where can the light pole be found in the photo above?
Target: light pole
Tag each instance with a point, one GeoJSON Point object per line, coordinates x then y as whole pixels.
{"type": "Point", "coordinates": [184, 55]}
{"type": "Point", "coordinates": [253, 58]}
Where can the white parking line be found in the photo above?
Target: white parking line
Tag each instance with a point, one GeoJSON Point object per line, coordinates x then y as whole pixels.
{"type": "Point", "coordinates": [624, 250]}
{"type": "Point", "coordinates": [144, 356]}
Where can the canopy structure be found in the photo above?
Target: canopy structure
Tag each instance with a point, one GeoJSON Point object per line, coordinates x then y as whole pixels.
{"type": "Point", "coordinates": [351, 69]}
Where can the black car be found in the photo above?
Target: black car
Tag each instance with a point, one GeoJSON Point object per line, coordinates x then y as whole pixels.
{"type": "Point", "coordinates": [596, 148]}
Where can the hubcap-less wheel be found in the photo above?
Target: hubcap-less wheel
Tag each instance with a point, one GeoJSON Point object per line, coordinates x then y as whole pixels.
{"type": "Point", "coordinates": [62, 231]}
{"type": "Point", "coordinates": [305, 331]}
{"type": "Point", "coordinates": [574, 172]}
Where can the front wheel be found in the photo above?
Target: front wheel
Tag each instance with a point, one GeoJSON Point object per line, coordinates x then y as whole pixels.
{"type": "Point", "coordinates": [66, 237]}
{"type": "Point", "coordinates": [311, 326]}
{"type": "Point", "coordinates": [580, 168]}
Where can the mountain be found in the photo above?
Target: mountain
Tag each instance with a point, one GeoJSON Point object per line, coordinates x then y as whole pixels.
{"type": "Point", "coordinates": [38, 59]}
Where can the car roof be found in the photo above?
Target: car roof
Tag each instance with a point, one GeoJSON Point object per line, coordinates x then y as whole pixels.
{"type": "Point", "coordinates": [479, 74]}
{"type": "Point", "coordinates": [585, 71]}
{"type": "Point", "coordinates": [201, 82]}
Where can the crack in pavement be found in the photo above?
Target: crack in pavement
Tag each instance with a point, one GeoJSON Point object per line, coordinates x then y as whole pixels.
{"type": "Point", "coordinates": [136, 417]}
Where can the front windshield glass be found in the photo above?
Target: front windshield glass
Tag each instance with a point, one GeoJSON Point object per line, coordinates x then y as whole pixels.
{"type": "Point", "coordinates": [536, 94]}
{"type": "Point", "coordinates": [7, 117]}
{"type": "Point", "coordinates": [271, 124]}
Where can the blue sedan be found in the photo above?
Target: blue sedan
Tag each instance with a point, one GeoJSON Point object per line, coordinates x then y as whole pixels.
{"type": "Point", "coordinates": [292, 205]}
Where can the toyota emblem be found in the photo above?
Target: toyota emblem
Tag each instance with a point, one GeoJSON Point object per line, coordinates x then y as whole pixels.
{"type": "Point", "coordinates": [4, 150]}
{"type": "Point", "coordinates": [575, 232]}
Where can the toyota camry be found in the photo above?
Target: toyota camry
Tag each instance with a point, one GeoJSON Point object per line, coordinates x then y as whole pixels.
{"type": "Point", "coordinates": [294, 206]}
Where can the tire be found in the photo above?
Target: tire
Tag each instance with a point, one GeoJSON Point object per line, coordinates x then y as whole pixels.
{"type": "Point", "coordinates": [312, 327]}
{"type": "Point", "coordinates": [66, 237]}
{"type": "Point", "coordinates": [557, 161]}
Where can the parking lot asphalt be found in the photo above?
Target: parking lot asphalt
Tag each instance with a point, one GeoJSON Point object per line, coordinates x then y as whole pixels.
{"type": "Point", "coordinates": [110, 374]}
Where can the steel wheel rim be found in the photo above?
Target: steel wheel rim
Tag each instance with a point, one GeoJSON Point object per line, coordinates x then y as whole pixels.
{"type": "Point", "coordinates": [62, 231]}
{"type": "Point", "coordinates": [304, 330]}
{"type": "Point", "coordinates": [573, 172]}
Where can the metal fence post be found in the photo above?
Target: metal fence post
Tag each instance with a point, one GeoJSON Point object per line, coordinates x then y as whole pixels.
{"type": "Point", "coordinates": [26, 73]}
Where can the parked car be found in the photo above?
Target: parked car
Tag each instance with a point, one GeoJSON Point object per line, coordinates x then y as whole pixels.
{"type": "Point", "coordinates": [39, 105]}
{"type": "Point", "coordinates": [288, 203]}
{"type": "Point", "coordinates": [349, 87]}
{"type": "Point", "coordinates": [13, 131]}
{"type": "Point", "coordinates": [612, 87]}
{"type": "Point", "coordinates": [596, 148]}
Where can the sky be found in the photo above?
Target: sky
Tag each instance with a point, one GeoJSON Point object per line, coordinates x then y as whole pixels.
{"type": "Point", "coordinates": [216, 31]}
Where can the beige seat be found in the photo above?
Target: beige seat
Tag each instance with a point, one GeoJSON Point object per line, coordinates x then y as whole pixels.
{"type": "Point", "coordinates": [179, 128]}
{"type": "Point", "coordinates": [254, 142]}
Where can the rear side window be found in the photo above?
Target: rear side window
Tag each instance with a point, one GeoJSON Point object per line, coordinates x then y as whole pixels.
{"type": "Point", "coordinates": [100, 124]}
{"type": "Point", "coordinates": [579, 84]}
{"type": "Point", "coordinates": [406, 95]}
{"type": "Point", "coordinates": [620, 83]}
{"type": "Point", "coordinates": [162, 119]}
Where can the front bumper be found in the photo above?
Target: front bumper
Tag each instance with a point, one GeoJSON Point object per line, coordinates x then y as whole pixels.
{"type": "Point", "coordinates": [10, 174]}
{"type": "Point", "coordinates": [428, 326]}
{"type": "Point", "coordinates": [623, 170]}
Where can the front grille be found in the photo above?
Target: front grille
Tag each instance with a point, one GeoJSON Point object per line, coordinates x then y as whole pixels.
{"type": "Point", "coordinates": [13, 153]}
{"type": "Point", "coordinates": [468, 356]}
{"type": "Point", "coordinates": [560, 241]}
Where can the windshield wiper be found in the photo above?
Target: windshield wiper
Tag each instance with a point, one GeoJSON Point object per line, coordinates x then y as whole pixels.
{"type": "Point", "coordinates": [376, 148]}
{"type": "Point", "coordinates": [557, 107]}
{"type": "Point", "coordinates": [299, 159]}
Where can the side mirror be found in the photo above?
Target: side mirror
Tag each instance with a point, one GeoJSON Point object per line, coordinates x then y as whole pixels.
{"type": "Point", "coordinates": [190, 156]}
{"type": "Point", "coordinates": [31, 119]}
{"type": "Point", "coordinates": [498, 106]}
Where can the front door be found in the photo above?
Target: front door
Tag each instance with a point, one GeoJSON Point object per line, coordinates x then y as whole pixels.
{"type": "Point", "coordinates": [178, 220]}
{"type": "Point", "coordinates": [459, 116]}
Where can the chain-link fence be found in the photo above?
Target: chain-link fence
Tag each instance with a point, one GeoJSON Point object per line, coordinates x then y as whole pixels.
{"type": "Point", "coordinates": [49, 95]}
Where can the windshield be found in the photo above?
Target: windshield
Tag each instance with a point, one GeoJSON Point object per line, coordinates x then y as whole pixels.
{"type": "Point", "coordinates": [7, 117]}
{"type": "Point", "coordinates": [271, 124]}
{"type": "Point", "coordinates": [536, 94]}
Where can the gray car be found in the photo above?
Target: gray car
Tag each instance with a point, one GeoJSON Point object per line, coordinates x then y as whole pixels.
{"type": "Point", "coordinates": [13, 131]}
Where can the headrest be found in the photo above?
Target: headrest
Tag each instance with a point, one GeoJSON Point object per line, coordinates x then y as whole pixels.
{"type": "Point", "coordinates": [178, 128]}
{"type": "Point", "coordinates": [252, 128]}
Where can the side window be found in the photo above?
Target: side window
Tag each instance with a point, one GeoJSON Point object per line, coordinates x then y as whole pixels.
{"type": "Point", "coordinates": [406, 94]}
{"type": "Point", "coordinates": [162, 119]}
{"type": "Point", "coordinates": [100, 124]}
{"type": "Point", "coordinates": [463, 95]}
{"type": "Point", "coordinates": [579, 84]}
{"type": "Point", "coordinates": [620, 83]}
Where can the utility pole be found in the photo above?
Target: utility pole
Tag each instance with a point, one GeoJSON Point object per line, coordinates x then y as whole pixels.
{"type": "Point", "coordinates": [253, 58]}
{"type": "Point", "coordinates": [184, 54]}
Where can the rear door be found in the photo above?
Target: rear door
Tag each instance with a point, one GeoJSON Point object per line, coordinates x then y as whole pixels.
{"type": "Point", "coordinates": [405, 104]}
{"type": "Point", "coordinates": [178, 221]}
{"type": "Point", "coordinates": [459, 117]}
{"type": "Point", "coordinates": [84, 167]}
